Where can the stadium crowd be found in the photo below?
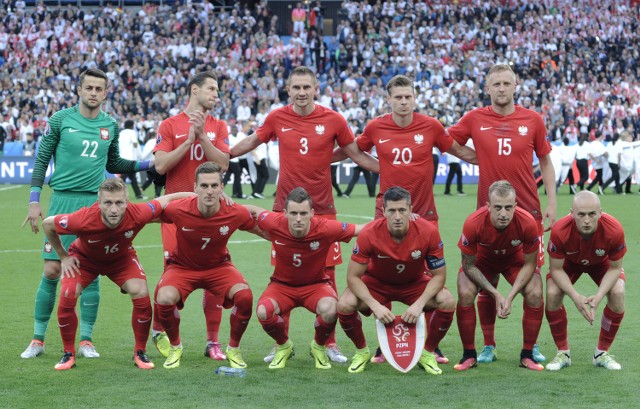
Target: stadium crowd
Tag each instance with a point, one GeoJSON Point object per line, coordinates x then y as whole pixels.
{"type": "Point", "coordinates": [578, 68]}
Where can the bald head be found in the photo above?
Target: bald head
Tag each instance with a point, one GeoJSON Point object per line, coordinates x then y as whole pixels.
{"type": "Point", "coordinates": [586, 212]}
{"type": "Point", "coordinates": [584, 197]}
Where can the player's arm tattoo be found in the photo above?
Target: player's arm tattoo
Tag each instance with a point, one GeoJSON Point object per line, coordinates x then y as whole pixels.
{"type": "Point", "coordinates": [474, 273]}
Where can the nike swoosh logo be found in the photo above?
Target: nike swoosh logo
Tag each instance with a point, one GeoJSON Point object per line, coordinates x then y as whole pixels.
{"type": "Point", "coordinates": [485, 244]}
{"type": "Point", "coordinates": [279, 243]}
{"type": "Point", "coordinates": [383, 140]}
{"type": "Point", "coordinates": [63, 325]}
{"type": "Point", "coordinates": [186, 229]}
{"type": "Point", "coordinates": [94, 241]}
{"type": "Point", "coordinates": [143, 321]}
{"type": "Point", "coordinates": [572, 252]}
{"type": "Point", "coordinates": [336, 257]}
{"type": "Point", "coordinates": [71, 130]}
{"type": "Point", "coordinates": [484, 128]}
{"type": "Point", "coordinates": [181, 136]}
{"type": "Point", "coordinates": [356, 368]}
{"type": "Point", "coordinates": [286, 129]}
{"type": "Point", "coordinates": [381, 256]}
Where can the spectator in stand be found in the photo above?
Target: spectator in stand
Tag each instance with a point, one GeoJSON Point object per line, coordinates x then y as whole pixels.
{"type": "Point", "coordinates": [546, 57]}
{"type": "Point", "coordinates": [29, 148]}
{"type": "Point", "coordinates": [298, 17]}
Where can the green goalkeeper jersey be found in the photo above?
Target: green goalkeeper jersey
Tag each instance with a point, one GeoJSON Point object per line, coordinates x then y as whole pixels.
{"type": "Point", "coordinates": [82, 148]}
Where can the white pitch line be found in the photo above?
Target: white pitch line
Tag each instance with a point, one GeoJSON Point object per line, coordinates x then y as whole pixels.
{"type": "Point", "coordinates": [356, 216]}
{"type": "Point", "coordinates": [10, 187]}
{"type": "Point", "coordinates": [151, 246]}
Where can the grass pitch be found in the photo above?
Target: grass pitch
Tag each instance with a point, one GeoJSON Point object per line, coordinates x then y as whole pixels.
{"type": "Point", "coordinates": [113, 381]}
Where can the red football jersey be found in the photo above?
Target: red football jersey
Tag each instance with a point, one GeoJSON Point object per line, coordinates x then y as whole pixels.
{"type": "Point", "coordinates": [607, 243]}
{"type": "Point", "coordinates": [302, 261]}
{"type": "Point", "coordinates": [406, 159]}
{"type": "Point", "coordinates": [505, 147]}
{"type": "Point", "coordinates": [399, 263]}
{"type": "Point", "coordinates": [306, 145]}
{"type": "Point", "coordinates": [202, 243]}
{"type": "Point", "coordinates": [172, 133]}
{"type": "Point", "coordinates": [502, 248]}
{"type": "Point", "coordinates": [97, 245]}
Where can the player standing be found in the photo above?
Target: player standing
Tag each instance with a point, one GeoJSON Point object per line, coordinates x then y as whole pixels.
{"type": "Point", "coordinates": [184, 142]}
{"type": "Point", "coordinates": [83, 142]}
{"type": "Point", "coordinates": [307, 133]}
{"type": "Point", "coordinates": [404, 142]}
{"type": "Point", "coordinates": [505, 137]}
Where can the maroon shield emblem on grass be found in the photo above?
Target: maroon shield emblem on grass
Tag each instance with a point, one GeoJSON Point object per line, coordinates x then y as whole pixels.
{"type": "Point", "coordinates": [402, 343]}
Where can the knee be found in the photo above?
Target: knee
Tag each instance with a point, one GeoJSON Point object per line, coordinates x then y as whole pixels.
{"type": "Point", "coordinates": [70, 290]}
{"type": "Point", "coordinates": [533, 298]}
{"type": "Point", "coordinates": [466, 296]}
{"type": "Point", "coordinates": [616, 294]}
{"type": "Point", "coordinates": [553, 291]}
{"type": "Point", "coordinates": [554, 295]}
{"type": "Point", "coordinates": [346, 305]}
{"type": "Point", "coordinates": [533, 293]}
{"type": "Point", "coordinates": [167, 296]}
{"type": "Point", "coordinates": [51, 269]}
{"type": "Point", "coordinates": [266, 309]}
{"type": "Point", "coordinates": [343, 308]}
{"type": "Point", "coordinates": [327, 308]}
{"type": "Point", "coordinates": [243, 299]}
{"type": "Point", "coordinates": [445, 300]}
{"type": "Point", "coordinates": [140, 291]}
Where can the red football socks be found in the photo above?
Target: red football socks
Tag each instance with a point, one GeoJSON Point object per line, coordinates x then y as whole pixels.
{"type": "Point", "coordinates": [609, 325]}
